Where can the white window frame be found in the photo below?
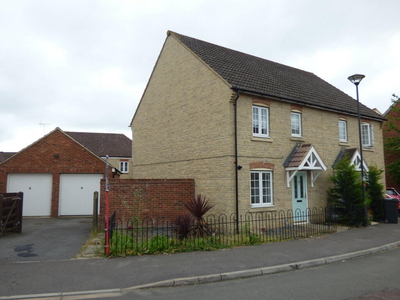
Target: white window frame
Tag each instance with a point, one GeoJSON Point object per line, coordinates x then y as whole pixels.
{"type": "Point", "coordinates": [367, 135]}
{"type": "Point", "coordinates": [342, 124]}
{"type": "Point", "coordinates": [296, 124]}
{"type": "Point", "coordinates": [124, 166]}
{"type": "Point", "coordinates": [261, 188]}
{"type": "Point", "coordinates": [258, 129]}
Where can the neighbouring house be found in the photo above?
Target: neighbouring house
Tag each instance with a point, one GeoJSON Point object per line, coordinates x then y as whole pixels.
{"type": "Point", "coordinates": [393, 115]}
{"type": "Point", "coordinates": [116, 146]}
{"type": "Point", "coordinates": [5, 155]}
{"type": "Point", "coordinates": [59, 173]}
{"type": "Point", "coordinates": [255, 135]}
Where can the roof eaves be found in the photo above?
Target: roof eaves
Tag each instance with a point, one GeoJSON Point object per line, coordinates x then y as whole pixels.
{"type": "Point", "coordinates": [297, 101]}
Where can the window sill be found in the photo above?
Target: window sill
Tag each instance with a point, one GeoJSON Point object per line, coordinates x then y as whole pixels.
{"type": "Point", "coordinates": [262, 139]}
{"type": "Point", "coordinates": [297, 138]}
{"type": "Point", "coordinates": [263, 206]}
{"type": "Point", "coordinates": [368, 149]}
{"type": "Point", "coordinates": [344, 144]}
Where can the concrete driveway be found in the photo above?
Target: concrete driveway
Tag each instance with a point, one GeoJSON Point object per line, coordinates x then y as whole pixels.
{"type": "Point", "coordinates": [46, 239]}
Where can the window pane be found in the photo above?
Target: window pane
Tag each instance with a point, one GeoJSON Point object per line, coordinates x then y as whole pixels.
{"type": "Point", "coordinates": [266, 187]}
{"type": "Point", "coordinates": [260, 121]}
{"type": "Point", "coordinates": [295, 123]}
{"type": "Point", "coordinates": [255, 120]}
{"type": "Point", "coordinates": [123, 166]}
{"type": "Point", "coordinates": [343, 130]}
{"type": "Point", "coordinates": [255, 188]}
{"type": "Point", "coordinates": [366, 134]}
{"type": "Point", "coordinates": [264, 121]}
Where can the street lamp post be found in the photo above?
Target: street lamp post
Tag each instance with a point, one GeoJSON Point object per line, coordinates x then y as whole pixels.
{"type": "Point", "coordinates": [356, 79]}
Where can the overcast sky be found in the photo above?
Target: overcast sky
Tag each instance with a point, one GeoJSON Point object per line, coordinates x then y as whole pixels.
{"type": "Point", "coordinates": [83, 65]}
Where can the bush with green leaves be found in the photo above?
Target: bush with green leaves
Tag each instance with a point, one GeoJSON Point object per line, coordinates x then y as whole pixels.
{"type": "Point", "coordinates": [375, 191]}
{"type": "Point", "coordinates": [392, 141]}
{"type": "Point", "coordinates": [345, 197]}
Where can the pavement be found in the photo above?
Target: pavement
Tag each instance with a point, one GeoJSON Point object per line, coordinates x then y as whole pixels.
{"type": "Point", "coordinates": [88, 277]}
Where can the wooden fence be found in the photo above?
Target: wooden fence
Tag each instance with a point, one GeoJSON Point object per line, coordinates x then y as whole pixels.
{"type": "Point", "coordinates": [11, 212]}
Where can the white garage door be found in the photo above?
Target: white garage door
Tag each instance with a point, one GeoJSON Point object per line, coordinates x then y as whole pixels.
{"type": "Point", "coordinates": [76, 193]}
{"type": "Point", "coordinates": [37, 192]}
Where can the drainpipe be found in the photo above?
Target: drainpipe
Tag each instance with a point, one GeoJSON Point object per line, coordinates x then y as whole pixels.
{"type": "Point", "coordinates": [236, 164]}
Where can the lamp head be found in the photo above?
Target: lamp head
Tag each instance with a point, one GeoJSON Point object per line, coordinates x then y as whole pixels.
{"type": "Point", "coordinates": [356, 78]}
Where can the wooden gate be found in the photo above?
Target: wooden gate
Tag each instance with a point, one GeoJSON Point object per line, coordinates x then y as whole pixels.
{"type": "Point", "coordinates": [11, 212]}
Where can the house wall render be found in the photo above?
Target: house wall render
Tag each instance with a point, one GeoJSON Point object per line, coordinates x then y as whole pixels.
{"type": "Point", "coordinates": [184, 127]}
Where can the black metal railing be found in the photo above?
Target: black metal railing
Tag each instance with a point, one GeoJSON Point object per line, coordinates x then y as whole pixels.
{"type": "Point", "coordinates": [166, 235]}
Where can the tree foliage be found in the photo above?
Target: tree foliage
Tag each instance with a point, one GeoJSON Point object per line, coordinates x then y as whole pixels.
{"type": "Point", "coordinates": [392, 143]}
{"type": "Point", "coordinates": [345, 197]}
{"type": "Point", "coordinates": [375, 190]}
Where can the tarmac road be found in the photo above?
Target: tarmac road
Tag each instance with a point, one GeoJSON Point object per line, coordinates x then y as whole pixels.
{"type": "Point", "coordinates": [95, 278]}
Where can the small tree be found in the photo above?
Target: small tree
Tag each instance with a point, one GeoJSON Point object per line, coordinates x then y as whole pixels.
{"type": "Point", "coordinates": [392, 144]}
{"type": "Point", "coordinates": [375, 191]}
{"type": "Point", "coordinates": [346, 195]}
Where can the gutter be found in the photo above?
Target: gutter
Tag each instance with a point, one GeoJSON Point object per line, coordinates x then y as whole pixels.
{"type": "Point", "coordinates": [251, 92]}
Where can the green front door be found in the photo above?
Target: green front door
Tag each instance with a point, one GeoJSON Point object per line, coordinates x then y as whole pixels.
{"type": "Point", "coordinates": [299, 196]}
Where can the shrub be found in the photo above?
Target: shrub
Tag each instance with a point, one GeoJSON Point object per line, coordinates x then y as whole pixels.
{"type": "Point", "coordinates": [345, 197]}
{"type": "Point", "coordinates": [375, 191]}
{"type": "Point", "coordinates": [183, 226]}
{"type": "Point", "coordinates": [198, 207]}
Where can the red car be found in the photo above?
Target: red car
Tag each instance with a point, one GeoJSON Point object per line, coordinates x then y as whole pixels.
{"type": "Point", "coordinates": [392, 193]}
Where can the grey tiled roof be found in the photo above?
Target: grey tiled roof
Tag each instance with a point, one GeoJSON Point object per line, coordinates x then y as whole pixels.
{"type": "Point", "coordinates": [260, 76]}
{"type": "Point", "coordinates": [102, 144]}
{"type": "Point", "coordinates": [6, 155]}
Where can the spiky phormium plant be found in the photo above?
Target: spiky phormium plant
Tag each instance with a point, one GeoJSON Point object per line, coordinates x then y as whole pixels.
{"type": "Point", "coordinates": [198, 207]}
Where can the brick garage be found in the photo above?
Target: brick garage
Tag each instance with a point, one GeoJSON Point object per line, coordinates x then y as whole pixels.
{"type": "Point", "coordinates": [55, 155]}
{"type": "Point", "coordinates": [142, 198]}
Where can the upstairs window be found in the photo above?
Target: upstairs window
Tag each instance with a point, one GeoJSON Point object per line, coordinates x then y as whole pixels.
{"type": "Point", "coordinates": [124, 166]}
{"type": "Point", "coordinates": [342, 130]}
{"type": "Point", "coordinates": [260, 121]}
{"type": "Point", "coordinates": [296, 124]}
{"type": "Point", "coordinates": [367, 135]}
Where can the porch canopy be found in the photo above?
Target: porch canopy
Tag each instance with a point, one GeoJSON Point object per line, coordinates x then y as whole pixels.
{"type": "Point", "coordinates": [353, 155]}
{"type": "Point", "coordinates": [304, 157]}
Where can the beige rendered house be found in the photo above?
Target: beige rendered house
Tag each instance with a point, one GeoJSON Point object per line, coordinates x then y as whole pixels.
{"type": "Point", "coordinates": [255, 135]}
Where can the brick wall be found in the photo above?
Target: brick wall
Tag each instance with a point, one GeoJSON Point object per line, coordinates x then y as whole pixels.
{"type": "Point", "coordinates": [142, 198]}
